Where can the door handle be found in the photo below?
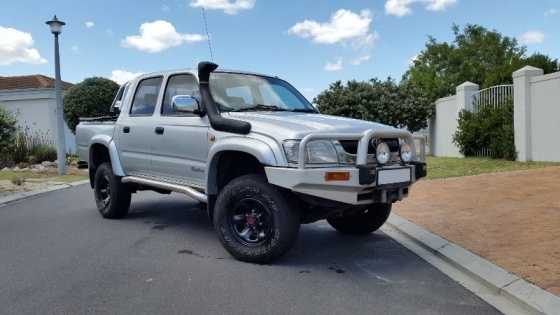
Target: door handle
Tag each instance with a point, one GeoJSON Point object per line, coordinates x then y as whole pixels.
{"type": "Point", "coordinates": [126, 129]}
{"type": "Point", "coordinates": [159, 130]}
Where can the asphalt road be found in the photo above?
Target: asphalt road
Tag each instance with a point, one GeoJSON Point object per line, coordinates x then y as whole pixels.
{"type": "Point", "coordinates": [57, 255]}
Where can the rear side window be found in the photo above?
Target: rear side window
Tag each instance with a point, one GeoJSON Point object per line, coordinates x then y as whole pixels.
{"type": "Point", "coordinates": [146, 96]}
{"type": "Point", "coordinates": [181, 84]}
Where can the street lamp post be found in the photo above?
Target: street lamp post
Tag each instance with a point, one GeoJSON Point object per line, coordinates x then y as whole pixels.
{"type": "Point", "coordinates": [56, 28]}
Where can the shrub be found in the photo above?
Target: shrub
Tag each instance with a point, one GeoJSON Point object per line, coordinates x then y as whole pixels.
{"type": "Point", "coordinates": [41, 153]}
{"type": "Point", "coordinates": [32, 147]}
{"type": "Point", "coordinates": [18, 181]}
{"type": "Point", "coordinates": [21, 149]}
{"type": "Point", "coordinates": [91, 97]}
{"type": "Point", "coordinates": [7, 136]}
{"type": "Point", "coordinates": [489, 128]}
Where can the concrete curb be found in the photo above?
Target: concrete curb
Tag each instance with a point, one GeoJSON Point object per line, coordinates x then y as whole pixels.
{"type": "Point", "coordinates": [27, 194]}
{"type": "Point", "coordinates": [504, 290]}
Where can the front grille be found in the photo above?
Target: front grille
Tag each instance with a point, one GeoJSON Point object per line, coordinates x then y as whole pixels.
{"type": "Point", "coordinates": [351, 146]}
{"type": "Point", "coordinates": [393, 144]}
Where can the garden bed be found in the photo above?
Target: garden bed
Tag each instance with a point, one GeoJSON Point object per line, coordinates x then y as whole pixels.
{"type": "Point", "coordinates": [16, 180]}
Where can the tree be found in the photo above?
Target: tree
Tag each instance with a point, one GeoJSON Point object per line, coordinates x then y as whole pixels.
{"type": "Point", "coordinates": [89, 98]}
{"type": "Point", "coordinates": [379, 101]}
{"type": "Point", "coordinates": [477, 55]}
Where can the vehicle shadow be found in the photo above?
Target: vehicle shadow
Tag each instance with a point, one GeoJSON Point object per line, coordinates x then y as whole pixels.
{"type": "Point", "coordinates": [318, 244]}
{"type": "Point", "coordinates": [164, 213]}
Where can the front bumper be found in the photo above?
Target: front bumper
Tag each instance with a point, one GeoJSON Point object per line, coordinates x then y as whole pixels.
{"type": "Point", "coordinates": [314, 182]}
{"type": "Point", "coordinates": [361, 183]}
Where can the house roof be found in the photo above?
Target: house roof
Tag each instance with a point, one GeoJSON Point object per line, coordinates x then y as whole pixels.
{"type": "Point", "coordinates": [35, 81]}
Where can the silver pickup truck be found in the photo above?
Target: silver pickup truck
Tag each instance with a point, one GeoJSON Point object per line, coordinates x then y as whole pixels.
{"type": "Point", "coordinates": [249, 147]}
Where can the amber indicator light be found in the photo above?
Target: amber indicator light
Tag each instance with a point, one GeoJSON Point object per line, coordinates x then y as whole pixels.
{"type": "Point", "coordinates": [339, 176]}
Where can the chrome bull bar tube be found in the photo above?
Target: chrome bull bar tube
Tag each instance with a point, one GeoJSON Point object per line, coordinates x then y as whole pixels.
{"type": "Point", "coordinates": [363, 144]}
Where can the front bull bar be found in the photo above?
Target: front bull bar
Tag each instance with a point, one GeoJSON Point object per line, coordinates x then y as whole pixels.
{"type": "Point", "coordinates": [363, 144]}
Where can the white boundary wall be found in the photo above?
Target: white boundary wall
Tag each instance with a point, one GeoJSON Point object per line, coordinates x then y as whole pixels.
{"type": "Point", "coordinates": [444, 124]}
{"type": "Point", "coordinates": [536, 99]}
{"type": "Point", "coordinates": [36, 110]}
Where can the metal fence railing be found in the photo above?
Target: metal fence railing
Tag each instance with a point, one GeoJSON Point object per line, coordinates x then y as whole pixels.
{"type": "Point", "coordinates": [496, 97]}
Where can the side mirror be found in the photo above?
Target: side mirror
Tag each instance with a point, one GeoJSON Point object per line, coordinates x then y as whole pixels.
{"type": "Point", "coordinates": [117, 107]}
{"type": "Point", "coordinates": [185, 104]}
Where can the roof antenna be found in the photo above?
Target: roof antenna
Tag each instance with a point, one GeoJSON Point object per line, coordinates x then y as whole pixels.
{"type": "Point", "coordinates": [207, 34]}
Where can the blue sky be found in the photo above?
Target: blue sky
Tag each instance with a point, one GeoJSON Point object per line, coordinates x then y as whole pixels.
{"type": "Point", "coordinates": [311, 43]}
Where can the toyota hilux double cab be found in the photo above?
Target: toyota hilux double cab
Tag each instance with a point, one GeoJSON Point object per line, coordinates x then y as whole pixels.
{"type": "Point", "coordinates": [260, 158]}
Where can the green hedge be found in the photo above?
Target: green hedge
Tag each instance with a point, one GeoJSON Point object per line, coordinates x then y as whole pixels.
{"type": "Point", "coordinates": [489, 128]}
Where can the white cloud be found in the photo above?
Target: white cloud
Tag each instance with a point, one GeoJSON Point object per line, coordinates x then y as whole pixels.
{"type": "Point", "coordinates": [123, 76]}
{"type": "Point", "coordinates": [334, 66]}
{"type": "Point", "coordinates": [17, 46]}
{"type": "Point", "coordinates": [439, 5]}
{"type": "Point", "coordinates": [398, 7]}
{"type": "Point", "coordinates": [404, 7]}
{"type": "Point", "coordinates": [358, 61]}
{"type": "Point", "coordinates": [551, 12]}
{"type": "Point", "coordinates": [344, 25]}
{"type": "Point", "coordinates": [230, 7]}
{"type": "Point", "coordinates": [158, 36]}
{"type": "Point", "coordinates": [531, 37]}
{"type": "Point", "coordinates": [89, 24]}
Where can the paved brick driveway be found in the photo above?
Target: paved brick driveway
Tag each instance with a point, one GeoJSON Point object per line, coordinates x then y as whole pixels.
{"type": "Point", "coordinates": [512, 219]}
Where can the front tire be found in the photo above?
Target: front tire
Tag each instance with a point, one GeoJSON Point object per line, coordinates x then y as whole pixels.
{"type": "Point", "coordinates": [254, 220]}
{"type": "Point", "coordinates": [112, 197]}
{"type": "Point", "coordinates": [363, 221]}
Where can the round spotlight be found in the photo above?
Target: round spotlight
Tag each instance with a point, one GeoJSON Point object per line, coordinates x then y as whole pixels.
{"type": "Point", "coordinates": [406, 152]}
{"type": "Point", "coordinates": [382, 153]}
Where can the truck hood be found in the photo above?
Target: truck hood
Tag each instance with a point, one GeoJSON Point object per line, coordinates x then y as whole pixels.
{"type": "Point", "coordinates": [289, 125]}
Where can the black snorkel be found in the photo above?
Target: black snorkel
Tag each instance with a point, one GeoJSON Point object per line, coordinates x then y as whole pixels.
{"type": "Point", "coordinates": [217, 122]}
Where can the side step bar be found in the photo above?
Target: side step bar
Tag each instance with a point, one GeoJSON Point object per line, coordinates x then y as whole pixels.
{"type": "Point", "coordinates": [167, 186]}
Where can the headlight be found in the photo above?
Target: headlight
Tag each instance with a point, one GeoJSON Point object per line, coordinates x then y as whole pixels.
{"type": "Point", "coordinates": [291, 148]}
{"type": "Point", "coordinates": [382, 153]}
{"type": "Point", "coordinates": [406, 152]}
{"type": "Point", "coordinates": [317, 152]}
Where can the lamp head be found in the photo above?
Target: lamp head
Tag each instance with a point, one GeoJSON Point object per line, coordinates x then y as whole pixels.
{"type": "Point", "coordinates": [56, 25]}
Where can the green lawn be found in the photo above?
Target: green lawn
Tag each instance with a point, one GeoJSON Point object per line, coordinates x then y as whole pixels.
{"type": "Point", "coordinates": [453, 167]}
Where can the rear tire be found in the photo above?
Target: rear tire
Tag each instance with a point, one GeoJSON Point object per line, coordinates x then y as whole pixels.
{"type": "Point", "coordinates": [362, 222]}
{"type": "Point", "coordinates": [255, 220]}
{"type": "Point", "coordinates": [112, 197]}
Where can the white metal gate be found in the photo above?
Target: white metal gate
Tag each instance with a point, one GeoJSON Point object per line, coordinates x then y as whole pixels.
{"type": "Point", "coordinates": [496, 97]}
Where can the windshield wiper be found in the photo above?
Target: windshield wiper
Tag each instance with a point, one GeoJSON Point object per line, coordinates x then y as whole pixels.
{"type": "Point", "coordinates": [303, 110]}
{"type": "Point", "coordinates": [262, 107]}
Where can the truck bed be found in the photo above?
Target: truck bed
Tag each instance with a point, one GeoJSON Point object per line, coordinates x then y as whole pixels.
{"type": "Point", "coordinates": [90, 127]}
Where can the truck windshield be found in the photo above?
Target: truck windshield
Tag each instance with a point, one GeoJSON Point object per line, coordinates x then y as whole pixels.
{"type": "Point", "coordinates": [235, 92]}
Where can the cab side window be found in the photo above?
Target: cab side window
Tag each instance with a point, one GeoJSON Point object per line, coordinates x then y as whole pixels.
{"type": "Point", "coordinates": [180, 84]}
{"type": "Point", "coordinates": [146, 96]}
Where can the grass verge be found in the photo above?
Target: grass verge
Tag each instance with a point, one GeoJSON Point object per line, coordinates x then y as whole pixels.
{"type": "Point", "coordinates": [439, 167]}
